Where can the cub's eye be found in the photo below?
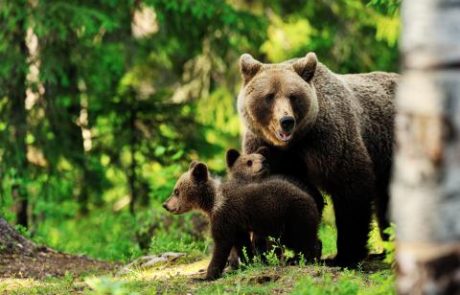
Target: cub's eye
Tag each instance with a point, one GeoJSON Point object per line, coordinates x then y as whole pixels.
{"type": "Point", "coordinates": [249, 163]}
{"type": "Point", "coordinates": [269, 97]}
{"type": "Point", "coordinates": [176, 192]}
{"type": "Point", "coordinates": [294, 97]}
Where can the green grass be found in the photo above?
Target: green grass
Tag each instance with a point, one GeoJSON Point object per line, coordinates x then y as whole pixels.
{"type": "Point", "coordinates": [112, 237]}
{"type": "Point", "coordinates": [311, 279]}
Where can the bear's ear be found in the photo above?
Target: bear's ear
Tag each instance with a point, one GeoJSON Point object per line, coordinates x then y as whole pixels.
{"type": "Point", "coordinates": [200, 172]}
{"type": "Point", "coordinates": [232, 156]}
{"type": "Point", "coordinates": [306, 66]}
{"type": "Point", "coordinates": [249, 67]}
{"type": "Point", "coordinates": [264, 151]}
{"type": "Point", "coordinates": [192, 164]}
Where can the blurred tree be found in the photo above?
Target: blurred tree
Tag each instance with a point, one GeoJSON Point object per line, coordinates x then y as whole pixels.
{"type": "Point", "coordinates": [13, 83]}
{"type": "Point", "coordinates": [426, 184]}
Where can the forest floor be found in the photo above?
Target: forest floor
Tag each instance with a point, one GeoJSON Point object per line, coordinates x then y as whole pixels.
{"type": "Point", "coordinates": [59, 273]}
{"type": "Point", "coordinates": [46, 271]}
{"type": "Point", "coordinates": [46, 263]}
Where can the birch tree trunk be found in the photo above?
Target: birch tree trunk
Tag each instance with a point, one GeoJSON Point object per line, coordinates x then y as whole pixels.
{"type": "Point", "coordinates": [426, 180]}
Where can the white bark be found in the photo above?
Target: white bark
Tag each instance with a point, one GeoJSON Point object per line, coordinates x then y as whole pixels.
{"type": "Point", "coordinates": [426, 181]}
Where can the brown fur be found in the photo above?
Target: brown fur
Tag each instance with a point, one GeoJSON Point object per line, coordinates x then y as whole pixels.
{"type": "Point", "coordinates": [341, 142]}
{"type": "Point", "coordinates": [252, 168]}
{"type": "Point", "coordinates": [273, 208]}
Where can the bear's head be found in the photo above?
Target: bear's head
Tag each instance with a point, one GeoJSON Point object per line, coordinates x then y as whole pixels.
{"type": "Point", "coordinates": [278, 102]}
{"type": "Point", "coordinates": [247, 167]}
{"type": "Point", "coordinates": [193, 190]}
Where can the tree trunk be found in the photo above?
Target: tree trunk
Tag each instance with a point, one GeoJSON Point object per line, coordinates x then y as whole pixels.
{"type": "Point", "coordinates": [64, 126]}
{"type": "Point", "coordinates": [426, 180]}
{"type": "Point", "coordinates": [12, 242]}
{"type": "Point", "coordinates": [17, 94]}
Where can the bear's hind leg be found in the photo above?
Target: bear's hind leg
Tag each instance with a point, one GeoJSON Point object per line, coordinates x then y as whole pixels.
{"type": "Point", "coordinates": [353, 219]}
{"type": "Point", "coordinates": [381, 208]}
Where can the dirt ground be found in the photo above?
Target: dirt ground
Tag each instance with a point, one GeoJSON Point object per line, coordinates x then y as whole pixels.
{"type": "Point", "coordinates": [47, 262]}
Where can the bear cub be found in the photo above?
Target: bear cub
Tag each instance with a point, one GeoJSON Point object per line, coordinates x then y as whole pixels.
{"type": "Point", "coordinates": [255, 167]}
{"type": "Point", "coordinates": [273, 208]}
{"type": "Point", "coordinates": [247, 168]}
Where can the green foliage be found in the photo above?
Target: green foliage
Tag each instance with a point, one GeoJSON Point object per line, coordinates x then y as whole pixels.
{"type": "Point", "coordinates": [389, 246]}
{"type": "Point", "coordinates": [102, 235]}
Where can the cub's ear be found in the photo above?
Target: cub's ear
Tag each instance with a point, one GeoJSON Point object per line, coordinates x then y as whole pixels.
{"type": "Point", "coordinates": [200, 172]}
{"type": "Point", "coordinates": [306, 66]}
{"type": "Point", "coordinates": [264, 151]}
{"type": "Point", "coordinates": [249, 67]}
{"type": "Point", "coordinates": [232, 156]}
{"type": "Point", "coordinates": [192, 164]}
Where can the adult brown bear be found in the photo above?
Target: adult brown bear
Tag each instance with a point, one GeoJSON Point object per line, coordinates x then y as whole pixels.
{"type": "Point", "coordinates": [335, 131]}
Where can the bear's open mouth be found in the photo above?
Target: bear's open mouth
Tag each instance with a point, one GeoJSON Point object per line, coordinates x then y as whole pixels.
{"type": "Point", "coordinates": [284, 136]}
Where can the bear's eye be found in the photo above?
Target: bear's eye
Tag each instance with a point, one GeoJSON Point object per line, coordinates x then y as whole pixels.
{"type": "Point", "coordinates": [269, 97]}
{"type": "Point", "coordinates": [176, 192]}
{"type": "Point", "coordinates": [249, 163]}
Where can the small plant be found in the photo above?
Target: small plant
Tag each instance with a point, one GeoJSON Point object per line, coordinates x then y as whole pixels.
{"type": "Point", "coordinates": [272, 258]}
{"type": "Point", "coordinates": [302, 261]}
{"type": "Point", "coordinates": [389, 245]}
{"type": "Point", "coordinates": [272, 254]}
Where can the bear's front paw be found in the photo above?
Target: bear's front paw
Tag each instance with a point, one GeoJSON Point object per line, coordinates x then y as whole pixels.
{"type": "Point", "coordinates": [211, 276]}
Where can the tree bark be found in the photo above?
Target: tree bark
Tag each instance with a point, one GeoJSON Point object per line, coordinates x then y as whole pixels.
{"type": "Point", "coordinates": [12, 242]}
{"type": "Point", "coordinates": [426, 180]}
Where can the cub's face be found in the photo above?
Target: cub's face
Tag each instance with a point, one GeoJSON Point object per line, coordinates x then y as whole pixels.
{"type": "Point", "coordinates": [189, 190]}
{"type": "Point", "coordinates": [278, 101]}
{"type": "Point", "coordinates": [250, 167]}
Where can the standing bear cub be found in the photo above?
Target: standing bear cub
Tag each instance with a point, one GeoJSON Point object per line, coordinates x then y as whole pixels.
{"type": "Point", "coordinates": [272, 208]}
{"type": "Point", "coordinates": [333, 131]}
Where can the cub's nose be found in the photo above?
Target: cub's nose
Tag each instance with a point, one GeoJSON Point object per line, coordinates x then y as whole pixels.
{"type": "Point", "coordinates": [287, 123]}
{"type": "Point", "coordinates": [165, 206]}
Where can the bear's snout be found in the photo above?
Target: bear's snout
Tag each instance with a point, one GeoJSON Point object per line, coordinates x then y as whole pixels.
{"type": "Point", "coordinates": [287, 123]}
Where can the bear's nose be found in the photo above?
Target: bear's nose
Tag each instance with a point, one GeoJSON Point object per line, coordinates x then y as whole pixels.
{"type": "Point", "coordinates": [165, 206]}
{"type": "Point", "coordinates": [287, 123]}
